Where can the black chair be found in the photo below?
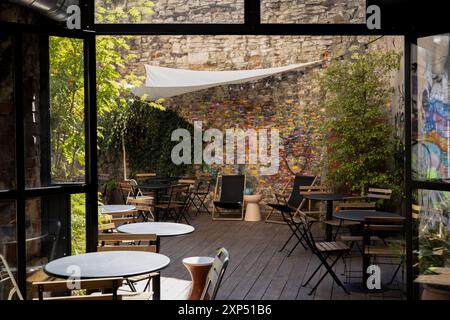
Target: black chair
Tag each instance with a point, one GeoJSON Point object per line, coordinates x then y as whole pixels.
{"type": "Point", "coordinates": [215, 275]}
{"type": "Point", "coordinates": [176, 203]}
{"type": "Point", "coordinates": [231, 197]}
{"type": "Point", "coordinates": [289, 208]}
{"type": "Point", "coordinates": [389, 231]}
{"type": "Point", "coordinates": [199, 194]}
{"type": "Point", "coordinates": [325, 252]}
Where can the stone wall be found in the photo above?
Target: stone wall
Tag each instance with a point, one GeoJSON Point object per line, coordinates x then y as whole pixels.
{"type": "Point", "coordinates": [232, 11]}
{"type": "Point", "coordinates": [313, 11]}
{"type": "Point", "coordinates": [286, 101]}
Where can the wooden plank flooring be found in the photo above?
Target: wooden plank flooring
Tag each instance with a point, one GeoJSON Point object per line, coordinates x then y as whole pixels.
{"type": "Point", "coordinates": [257, 269]}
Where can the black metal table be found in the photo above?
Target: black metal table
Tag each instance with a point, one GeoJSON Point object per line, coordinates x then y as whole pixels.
{"type": "Point", "coordinates": [360, 216]}
{"type": "Point", "coordinates": [109, 264]}
{"type": "Point", "coordinates": [156, 188]}
{"type": "Point", "coordinates": [329, 198]}
{"type": "Point", "coordinates": [161, 229]}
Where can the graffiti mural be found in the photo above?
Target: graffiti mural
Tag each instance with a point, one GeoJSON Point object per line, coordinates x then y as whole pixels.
{"type": "Point", "coordinates": [431, 144]}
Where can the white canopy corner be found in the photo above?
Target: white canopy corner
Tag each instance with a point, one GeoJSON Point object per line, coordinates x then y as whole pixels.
{"type": "Point", "coordinates": [164, 82]}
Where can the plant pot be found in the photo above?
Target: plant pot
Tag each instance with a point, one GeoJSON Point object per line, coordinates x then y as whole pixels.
{"type": "Point", "coordinates": [435, 293]}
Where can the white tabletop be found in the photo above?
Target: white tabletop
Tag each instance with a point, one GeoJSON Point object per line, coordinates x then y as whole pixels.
{"type": "Point", "coordinates": [161, 229]}
{"type": "Point", "coordinates": [107, 264]}
{"type": "Point", "coordinates": [115, 208]}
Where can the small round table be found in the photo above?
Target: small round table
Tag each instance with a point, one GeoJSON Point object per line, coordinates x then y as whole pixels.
{"type": "Point", "coordinates": [252, 211]}
{"type": "Point", "coordinates": [329, 198]}
{"type": "Point", "coordinates": [198, 268]}
{"type": "Point", "coordinates": [161, 229]}
{"type": "Point", "coordinates": [360, 216]}
{"type": "Point", "coordinates": [109, 264]}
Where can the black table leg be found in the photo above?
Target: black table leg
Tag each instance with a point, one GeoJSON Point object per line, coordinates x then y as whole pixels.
{"type": "Point", "coordinates": [156, 286]}
{"type": "Point", "coordinates": [329, 216]}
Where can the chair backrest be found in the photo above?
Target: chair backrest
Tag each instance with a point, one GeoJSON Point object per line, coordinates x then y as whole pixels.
{"type": "Point", "coordinates": [383, 227]}
{"type": "Point", "coordinates": [71, 285]}
{"type": "Point", "coordinates": [215, 275]}
{"type": "Point", "coordinates": [145, 176]}
{"type": "Point", "coordinates": [377, 193]}
{"type": "Point", "coordinates": [127, 190]}
{"type": "Point", "coordinates": [356, 206]}
{"type": "Point", "coordinates": [203, 184]}
{"type": "Point", "coordinates": [232, 188]}
{"type": "Point", "coordinates": [295, 199]}
{"type": "Point", "coordinates": [126, 242]}
{"type": "Point", "coordinates": [6, 276]}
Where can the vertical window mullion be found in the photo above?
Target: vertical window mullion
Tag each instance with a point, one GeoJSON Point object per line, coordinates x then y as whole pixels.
{"type": "Point", "coordinates": [20, 161]}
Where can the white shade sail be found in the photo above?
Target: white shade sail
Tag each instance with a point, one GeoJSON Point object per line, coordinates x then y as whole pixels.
{"type": "Point", "coordinates": [164, 82]}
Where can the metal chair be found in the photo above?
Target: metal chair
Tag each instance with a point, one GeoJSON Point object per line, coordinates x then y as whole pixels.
{"type": "Point", "coordinates": [176, 203]}
{"type": "Point", "coordinates": [215, 275]}
{"type": "Point", "coordinates": [199, 194]}
{"type": "Point", "coordinates": [289, 207]}
{"type": "Point", "coordinates": [7, 276]}
{"type": "Point", "coordinates": [131, 242]}
{"type": "Point", "coordinates": [231, 197]}
{"type": "Point", "coordinates": [389, 230]}
{"type": "Point", "coordinates": [324, 252]}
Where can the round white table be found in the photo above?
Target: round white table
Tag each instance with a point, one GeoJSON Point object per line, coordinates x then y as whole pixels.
{"type": "Point", "coordinates": [161, 229]}
{"type": "Point", "coordinates": [109, 264]}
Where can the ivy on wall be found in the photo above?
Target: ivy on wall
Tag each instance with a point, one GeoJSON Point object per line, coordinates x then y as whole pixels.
{"type": "Point", "coordinates": [146, 129]}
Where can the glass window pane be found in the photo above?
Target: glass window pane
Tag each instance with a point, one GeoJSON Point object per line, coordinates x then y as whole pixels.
{"type": "Point", "coordinates": [431, 118]}
{"type": "Point", "coordinates": [48, 225]}
{"type": "Point", "coordinates": [7, 122]}
{"type": "Point", "coordinates": [432, 241]}
{"type": "Point", "coordinates": [169, 11]}
{"type": "Point", "coordinates": [8, 244]}
{"type": "Point", "coordinates": [310, 12]}
{"type": "Point", "coordinates": [67, 123]}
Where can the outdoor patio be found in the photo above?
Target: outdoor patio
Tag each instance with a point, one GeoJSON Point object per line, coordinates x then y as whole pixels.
{"type": "Point", "coordinates": [223, 150]}
{"type": "Point", "coordinates": [257, 269]}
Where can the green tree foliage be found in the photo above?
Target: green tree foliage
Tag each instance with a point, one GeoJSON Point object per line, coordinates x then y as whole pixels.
{"type": "Point", "coordinates": [358, 130]}
{"type": "Point", "coordinates": [147, 127]}
{"type": "Point", "coordinates": [67, 98]}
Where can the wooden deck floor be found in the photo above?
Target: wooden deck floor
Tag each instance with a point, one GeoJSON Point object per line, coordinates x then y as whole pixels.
{"type": "Point", "coordinates": [257, 270]}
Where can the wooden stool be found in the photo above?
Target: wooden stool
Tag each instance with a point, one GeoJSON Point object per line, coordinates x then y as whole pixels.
{"type": "Point", "coordinates": [198, 268]}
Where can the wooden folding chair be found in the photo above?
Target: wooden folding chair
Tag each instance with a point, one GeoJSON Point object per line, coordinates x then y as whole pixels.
{"type": "Point", "coordinates": [7, 276]}
{"type": "Point", "coordinates": [231, 197]}
{"type": "Point", "coordinates": [215, 275]}
{"type": "Point", "coordinates": [324, 251]}
{"type": "Point", "coordinates": [131, 242]}
{"type": "Point", "coordinates": [389, 230]}
{"type": "Point", "coordinates": [293, 199]}
{"type": "Point", "coordinates": [70, 285]}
